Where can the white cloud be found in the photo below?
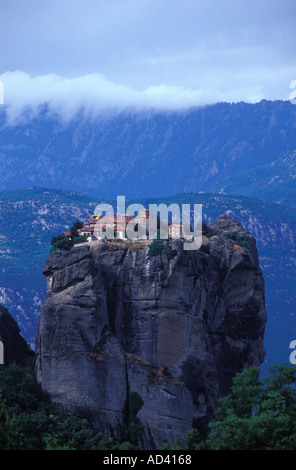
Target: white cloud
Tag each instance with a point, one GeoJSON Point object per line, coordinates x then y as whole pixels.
{"type": "Point", "coordinates": [93, 94]}
{"type": "Point", "coordinates": [100, 55]}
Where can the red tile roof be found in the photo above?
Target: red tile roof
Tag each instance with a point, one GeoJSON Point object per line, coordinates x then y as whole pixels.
{"type": "Point", "coordinates": [117, 223]}
{"type": "Point", "coordinates": [86, 229]}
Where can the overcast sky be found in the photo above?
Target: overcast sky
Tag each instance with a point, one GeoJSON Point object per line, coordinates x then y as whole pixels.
{"type": "Point", "coordinates": [166, 54]}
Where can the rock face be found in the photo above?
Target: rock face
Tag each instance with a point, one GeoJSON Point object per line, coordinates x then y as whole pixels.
{"type": "Point", "coordinates": [13, 348]}
{"type": "Point", "coordinates": [144, 346]}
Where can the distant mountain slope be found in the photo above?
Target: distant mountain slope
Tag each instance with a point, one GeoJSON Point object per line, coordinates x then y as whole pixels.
{"type": "Point", "coordinates": [142, 155]}
{"type": "Point", "coordinates": [275, 182]}
{"type": "Point", "coordinates": [29, 218]}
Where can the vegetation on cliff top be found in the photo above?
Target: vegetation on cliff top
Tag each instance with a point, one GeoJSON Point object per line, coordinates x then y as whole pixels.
{"type": "Point", "coordinates": [62, 242]}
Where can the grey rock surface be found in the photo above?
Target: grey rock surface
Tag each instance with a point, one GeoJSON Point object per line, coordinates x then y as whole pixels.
{"type": "Point", "coordinates": [14, 347]}
{"type": "Point", "coordinates": [171, 331]}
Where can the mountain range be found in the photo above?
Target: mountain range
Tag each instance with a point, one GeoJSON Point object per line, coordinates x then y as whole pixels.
{"type": "Point", "coordinates": [238, 148]}
{"type": "Point", "coordinates": [237, 159]}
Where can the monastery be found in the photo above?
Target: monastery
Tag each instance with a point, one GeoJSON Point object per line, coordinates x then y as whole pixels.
{"type": "Point", "coordinates": [94, 231]}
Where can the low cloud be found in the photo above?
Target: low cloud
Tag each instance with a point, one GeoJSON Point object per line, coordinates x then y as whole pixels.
{"type": "Point", "coordinates": [94, 95]}
{"type": "Point", "coordinates": [100, 57]}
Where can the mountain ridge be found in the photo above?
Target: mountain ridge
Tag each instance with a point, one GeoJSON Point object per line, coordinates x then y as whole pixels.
{"type": "Point", "coordinates": [144, 154]}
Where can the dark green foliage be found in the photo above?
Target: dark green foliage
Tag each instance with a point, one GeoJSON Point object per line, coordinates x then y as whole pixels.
{"type": "Point", "coordinates": [74, 229]}
{"type": "Point", "coordinates": [28, 422]}
{"type": "Point", "coordinates": [191, 440]}
{"type": "Point", "coordinates": [10, 436]}
{"type": "Point", "coordinates": [242, 239]}
{"type": "Point", "coordinates": [19, 388]}
{"type": "Point", "coordinates": [156, 248]}
{"type": "Point", "coordinates": [71, 432]}
{"type": "Point", "coordinates": [61, 242]}
{"type": "Point", "coordinates": [256, 415]}
{"type": "Point", "coordinates": [206, 231]}
{"type": "Point", "coordinates": [79, 239]}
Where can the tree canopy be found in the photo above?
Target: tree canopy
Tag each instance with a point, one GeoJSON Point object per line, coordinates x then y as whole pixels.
{"type": "Point", "coordinates": [255, 415]}
{"type": "Point", "coordinates": [62, 242]}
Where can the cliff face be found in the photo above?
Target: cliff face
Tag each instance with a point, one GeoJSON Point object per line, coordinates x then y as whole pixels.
{"type": "Point", "coordinates": [144, 346]}
{"type": "Point", "coordinates": [14, 348]}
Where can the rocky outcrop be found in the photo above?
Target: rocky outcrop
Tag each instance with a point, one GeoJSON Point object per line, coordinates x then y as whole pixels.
{"type": "Point", "coordinates": [144, 346]}
{"type": "Point", "coordinates": [13, 347]}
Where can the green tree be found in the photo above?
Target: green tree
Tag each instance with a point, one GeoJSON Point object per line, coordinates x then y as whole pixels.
{"type": "Point", "coordinates": [10, 435]}
{"type": "Point", "coordinates": [61, 242]}
{"type": "Point", "coordinates": [28, 422]}
{"type": "Point", "coordinates": [257, 414]}
{"type": "Point", "coordinates": [156, 248]}
{"type": "Point", "coordinates": [74, 229]}
{"type": "Point", "coordinates": [243, 239]}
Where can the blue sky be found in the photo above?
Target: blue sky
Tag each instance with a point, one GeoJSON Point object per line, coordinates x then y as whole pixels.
{"type": "Point", "coordinates": [163, 54]}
